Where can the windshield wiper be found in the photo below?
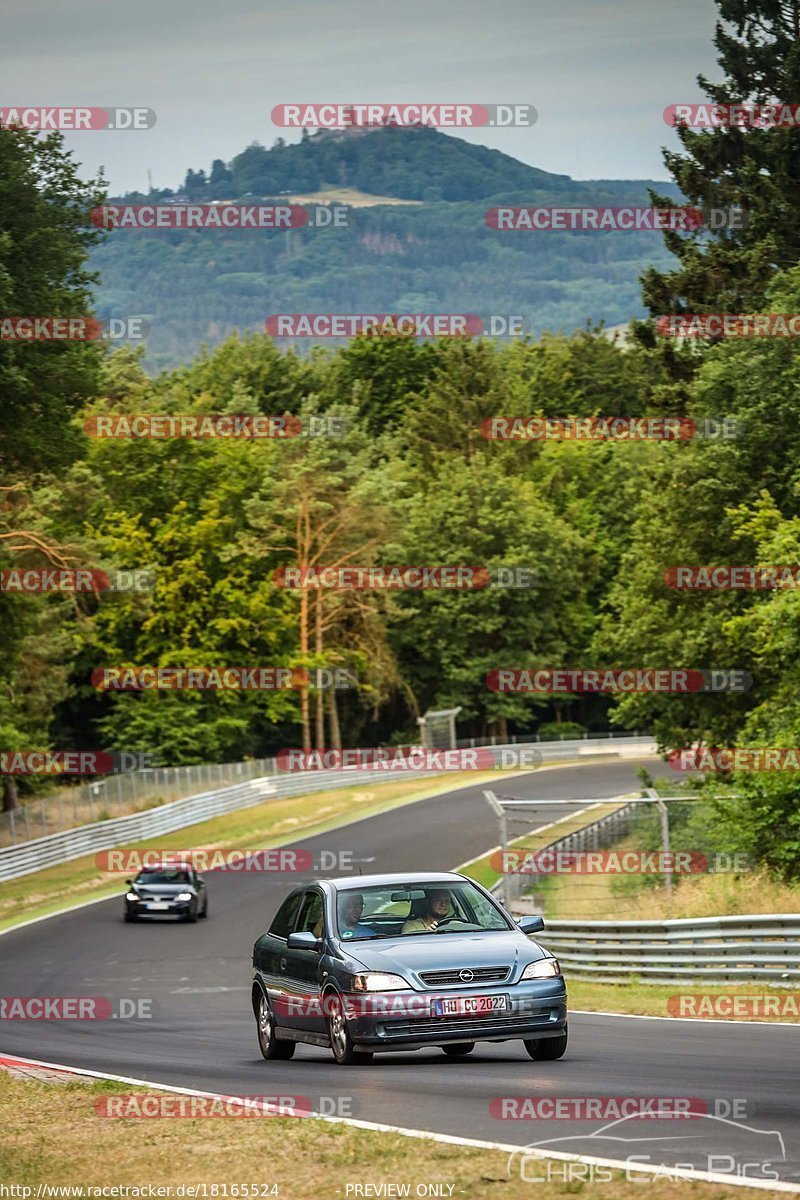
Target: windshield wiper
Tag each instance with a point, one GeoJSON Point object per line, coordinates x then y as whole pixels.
{"type": "Point", "coordinates": [476, 929]}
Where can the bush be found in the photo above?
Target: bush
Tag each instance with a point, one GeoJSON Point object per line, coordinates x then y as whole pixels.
{"type": "Point", "coordinates": [560, 730]}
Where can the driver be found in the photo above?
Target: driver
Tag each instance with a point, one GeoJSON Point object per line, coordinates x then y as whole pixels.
{"type": "Point", "coordinates": [438, 906]}
{"type": "Point", "coordinates": [351, 906]}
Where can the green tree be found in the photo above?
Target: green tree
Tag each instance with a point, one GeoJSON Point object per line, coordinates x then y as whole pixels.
{"type": "Point", "coordinates": [757, 169]}
{"type": "Point", "coordinates": [45, 237]}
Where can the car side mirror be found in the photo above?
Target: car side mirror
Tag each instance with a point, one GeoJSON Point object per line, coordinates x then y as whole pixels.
{"type": "Point", "coordinates": [531, 924]}
{"type": "Point", "coordinates": [129, 882]}
{"type": "Point", "coordinates": [303, 940]}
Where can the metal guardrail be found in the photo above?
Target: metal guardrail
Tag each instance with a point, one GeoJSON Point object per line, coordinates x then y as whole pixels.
{"type": "Point", "coordinates": [742, 949]}
{"type": "Point", "coordinates": [30, 856]}
{"type": "Point", "coordinates": [126, 792]}
{"type": "Point", "coordinates": [121, 794]}
{"type": "Point", "coordinates": [713, 950]}
{"type": "Point", "coordinates": [104, 835]}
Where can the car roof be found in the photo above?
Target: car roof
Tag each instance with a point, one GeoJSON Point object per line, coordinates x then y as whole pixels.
{"type": "Point", "coordinates": [357, 882]}
{"type": "Point", "coordinates": [167, 866]}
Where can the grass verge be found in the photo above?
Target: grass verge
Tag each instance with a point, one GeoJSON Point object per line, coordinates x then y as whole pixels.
{"type": "Point", "coordinates": [652, 1000]}
{"type": "Point", "coordinates": [615, 897]}
{"type": "Point", "coordinates": [53, 1136]}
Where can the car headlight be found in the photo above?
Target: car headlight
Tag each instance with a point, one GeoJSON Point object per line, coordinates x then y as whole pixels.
{"type": "Point", "coordinates": [378, 981]}
{"type": "Point", "coordinates": [184, 896]}
{"type": "Point", "coordinates": [545, 968]}
{"type": "Point", "coordinates": [132, 896]}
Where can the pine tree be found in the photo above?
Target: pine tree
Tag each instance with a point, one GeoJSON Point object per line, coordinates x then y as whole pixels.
{"type": "Point", "coordinates": [755, 168]}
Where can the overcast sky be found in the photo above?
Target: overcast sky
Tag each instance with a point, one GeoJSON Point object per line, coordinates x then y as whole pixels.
{"type": "Point", "coordinates": [600, 72]}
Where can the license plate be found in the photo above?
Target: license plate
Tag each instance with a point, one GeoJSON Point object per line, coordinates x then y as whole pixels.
{"type": "Point", "coordinates": [158, 904]}
{"type": "Point", "coordinates": [470, 1006]}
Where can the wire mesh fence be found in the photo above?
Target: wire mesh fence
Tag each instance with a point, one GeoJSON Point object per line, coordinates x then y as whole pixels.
{"type": "Point", "coordinates": [120, 795]}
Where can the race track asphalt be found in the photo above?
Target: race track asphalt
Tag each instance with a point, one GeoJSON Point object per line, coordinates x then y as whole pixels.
{"type": "Point", "coordinates": [202, 1033]}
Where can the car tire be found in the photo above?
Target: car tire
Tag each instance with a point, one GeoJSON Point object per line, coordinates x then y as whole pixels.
{"type": "Point", "coordinates": [270, 1046]}
{"type": "Point", "coordinates": [341, 1042]}
{"type": "Point", "coordinates": [129, 916]}
{"type": "Point", "coordinates": [190, 917]}
{"type": "Point", "coordinates": [204, 913]}
{"type": "Point", "coordinates": [547, 1049]}
{"type": "Point", "coordinates": [459, 1049]}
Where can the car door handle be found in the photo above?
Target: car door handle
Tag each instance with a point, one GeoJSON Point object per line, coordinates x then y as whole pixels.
{"type": "Point", "coordinates": [283, 964]}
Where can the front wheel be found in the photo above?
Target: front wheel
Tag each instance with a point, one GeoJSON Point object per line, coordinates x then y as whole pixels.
{"type": "Point", "coordinates": [459, 1049]}
{"type": "Point", "coordinates": [339, 1034]}
{"type": "Point", "coordinates": [547, 1049]}
{"type": "Point", "coordinates": [270, 1046]}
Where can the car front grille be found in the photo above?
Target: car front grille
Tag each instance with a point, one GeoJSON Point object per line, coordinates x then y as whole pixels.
{"type": "Point", "coordinates": [453, 978]}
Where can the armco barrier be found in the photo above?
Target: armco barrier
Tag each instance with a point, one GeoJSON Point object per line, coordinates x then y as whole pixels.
{"type": "Point", "coordinates": [27, 857]}
{"type": "Point", "coordinates": [103, 835]}
{"type": "Point", "coordinates": [745, 949]}
{"type": "Point", "coordinates": [712, 950]}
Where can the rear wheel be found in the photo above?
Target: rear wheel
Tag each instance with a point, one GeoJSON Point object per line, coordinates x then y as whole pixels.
{"type": "Point", "coordinates": [459, 1049]}
{"type": "Point", "coordinates": [547, 1049]}
{"type": "Point", "coordinates": [341, 1042]}
{"type": "Point", "coordinates": [270, 1046]}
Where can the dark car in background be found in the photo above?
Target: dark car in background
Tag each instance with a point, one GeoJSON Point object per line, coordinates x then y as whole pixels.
{"type": "Point", "coordinates": [403, 962]}
{"type": "Point", "coordinates": [169, 890]}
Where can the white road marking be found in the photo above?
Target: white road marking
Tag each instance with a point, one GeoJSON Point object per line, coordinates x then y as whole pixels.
{"type": "Point", "coordinates": [658, 1170]}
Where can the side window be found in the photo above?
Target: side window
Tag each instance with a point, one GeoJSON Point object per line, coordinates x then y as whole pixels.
{"type": "Point", "coordinates": [283, 923]}
{"type": "Point", "coordinates": [311, 914]}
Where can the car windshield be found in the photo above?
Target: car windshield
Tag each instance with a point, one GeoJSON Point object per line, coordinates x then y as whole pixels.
{"type": "Point", "coordinates": [173, 876]}
{"type": "Point", "coordinates": [397, 910]}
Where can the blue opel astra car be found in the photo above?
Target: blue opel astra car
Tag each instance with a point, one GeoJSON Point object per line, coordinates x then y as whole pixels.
{"type": "Point", "coordinates": [402, 962]}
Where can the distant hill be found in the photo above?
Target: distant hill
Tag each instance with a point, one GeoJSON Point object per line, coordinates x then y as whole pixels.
{"type": "Point", "coordinates": [434, 256]}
